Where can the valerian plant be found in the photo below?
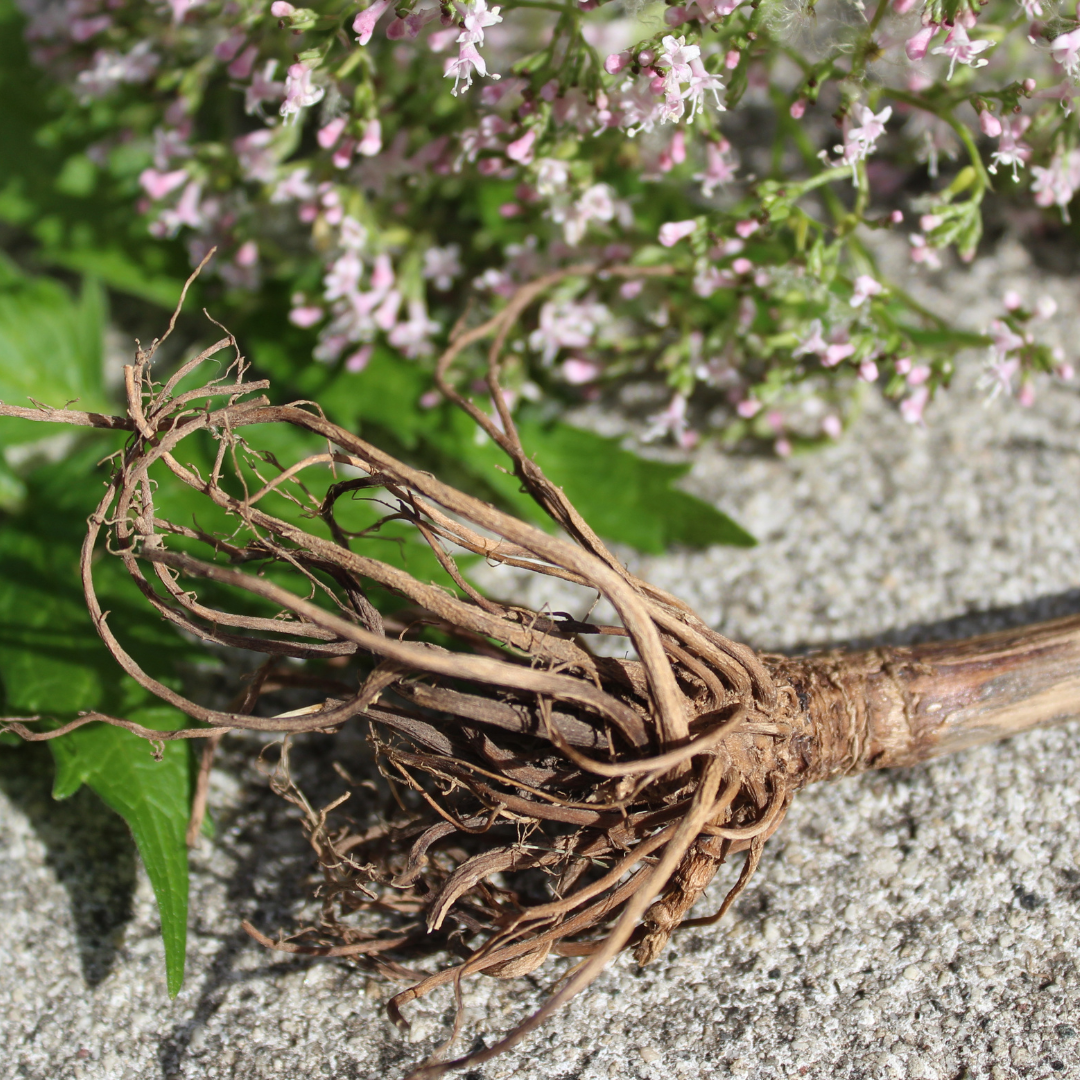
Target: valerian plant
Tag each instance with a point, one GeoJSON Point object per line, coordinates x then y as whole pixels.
{"type": "Point", "coordinates": [393, 162]}
{"type": "Point", "coordinates": [541, 797]}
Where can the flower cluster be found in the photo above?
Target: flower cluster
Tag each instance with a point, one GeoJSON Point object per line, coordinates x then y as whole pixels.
{"type": "Point", "coordinates": [393, 158]}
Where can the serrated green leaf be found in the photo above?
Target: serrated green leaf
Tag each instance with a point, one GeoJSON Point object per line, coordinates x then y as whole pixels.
{"type": "Point", "coordinates": [53, 664]}
{"type": "Point", "coordinates": [152, 796]}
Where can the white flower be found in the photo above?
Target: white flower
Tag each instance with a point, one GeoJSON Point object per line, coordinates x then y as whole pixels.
{"type": "Point", "coordinates": [865, 287]}
{"type": "Point", "coordinates": [567, 324]}
{"type": "Point", "coordinates": [1058, 182]}
{"type": "Point", "coordinates": [475, 18]}
{"type": "Point", "coordinates": [702, 83]}
{"type": "Point", "coordinates": [552, 176]}
{"type": "Point", "coordinates": [1065, 49]}
{"type": "Point", "coordinates": [442, 265]}
{"type": "Point", "coordinates": [300, 91]}
{"type": "Point", "coordinates": [959, 47]}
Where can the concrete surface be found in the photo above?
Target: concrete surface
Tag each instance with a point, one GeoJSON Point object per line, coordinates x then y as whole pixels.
{"type": "Point", "coordinates": [921, 924]}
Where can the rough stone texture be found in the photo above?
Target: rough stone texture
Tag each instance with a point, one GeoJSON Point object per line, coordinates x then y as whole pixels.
{"type": "Point", "coordinates": [920, 924]}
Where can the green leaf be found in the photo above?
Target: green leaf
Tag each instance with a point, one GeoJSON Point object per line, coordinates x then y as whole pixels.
{"type": "Point", "coordinates": [50, 349]}
{"type": "Point", "coordinates": [52, 663]}
{"type": "Point", "coordinates": [153, 797]}
{"type": "Point", "coordinates": [121, 272]}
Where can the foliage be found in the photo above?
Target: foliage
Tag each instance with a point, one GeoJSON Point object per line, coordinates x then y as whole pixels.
{"type": "Point", "coordinates": [346, 156]}
{"type": "Point", "coordinates": [52, 663]}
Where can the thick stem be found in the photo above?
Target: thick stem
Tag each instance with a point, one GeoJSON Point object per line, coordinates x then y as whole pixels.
{"type": "Point", "coordinates": [902, 705]}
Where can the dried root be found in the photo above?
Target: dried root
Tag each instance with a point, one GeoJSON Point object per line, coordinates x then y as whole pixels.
{"type": "Point", "coordinates": [552, 801]}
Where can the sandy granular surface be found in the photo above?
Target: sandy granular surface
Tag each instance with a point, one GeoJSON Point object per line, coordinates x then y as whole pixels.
{"type": "Point", "coordinates": [921, 924]}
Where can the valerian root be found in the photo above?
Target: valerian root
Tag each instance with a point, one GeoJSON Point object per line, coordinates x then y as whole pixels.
{"type": "Point", "coordinates": [552, 801]}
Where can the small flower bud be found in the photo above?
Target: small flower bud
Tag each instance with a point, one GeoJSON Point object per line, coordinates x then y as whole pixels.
{"type": "Point", "coordinates": [671, 232]}
{"type": "Point", "coordinates": [616, 63]}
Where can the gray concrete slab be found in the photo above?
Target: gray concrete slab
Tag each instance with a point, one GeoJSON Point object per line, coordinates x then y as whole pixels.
{"type": "Point", "coordinates": [920, 924]}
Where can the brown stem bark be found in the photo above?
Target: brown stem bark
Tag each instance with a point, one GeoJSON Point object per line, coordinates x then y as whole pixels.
{"type": "Point", "coordinates": [897, 706]}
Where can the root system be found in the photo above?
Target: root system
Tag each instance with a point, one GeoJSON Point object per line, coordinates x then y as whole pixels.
{"type": "Point", "coordinates": [552, 800]}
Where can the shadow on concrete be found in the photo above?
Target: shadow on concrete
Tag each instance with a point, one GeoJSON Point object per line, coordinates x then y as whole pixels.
{"type": "Point", "coordinates": [89, 849]}
{"type": "Point", "coordinates": [970, 624]}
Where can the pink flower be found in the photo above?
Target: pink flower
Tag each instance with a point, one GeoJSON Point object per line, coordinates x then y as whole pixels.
{"type": "Point", "coordinates": [442, 265]}
{"type": "Point", "coordinates": [798, 109]}
{"type": "Point", "coordinates": [916, 46]}
{"type": "Point", "coordinates": [281, 9]}
{"type": "Point", "coordinates": [865, 287]}
{"type": "Point", "coordinates": [911, 408]}
{"type": "Point", "coordinates": [241, 67]}
{"type": "Point", "coordinates": [332, 132]}
{"type": "Point", "coordinates": [989, 124]}
{"type": "Point", "coordinates": [468, 60]}
{"type": "Point", "coordinates": [868, 371]}
{"type": "Point", "coordinates": [158, 184]}
{"type": "Point", "coordinates": [180, 8]}
{"type": "Point", "coordinates": [1005, 340]}
{"type": "Point", "coordinates": [359, 359]}
{"type": "Point", "coordinates": [567, 324]}
{"type": "Point", "coordinates": [833, 426]}
{"type": "Point", "coordinates": [672, 421]}
{"type": "Point", "coordinates": [702, 83]}
{"type": "Point", "coordinates": [1011, 151]}
{"type": "Point", "coordinates": [521, 150]}
{"type": "Point", "coordinates": [749, 408]}
{"type": "Point", "coordinates": [343, 154]}
{"type": "Point", "coordinates": [263, 88]}
{"type": "Point", "coordinates": [839, 350]}
{"type": "Point", "coordinates": [916, 376]}
{"type": "Point", "coordinates": [84, 29]}
{"type": "Point", "coordinates": [617, 63]}
{"type": "Point", "coordinates": [305, 317]}
{"type": "Point", "coordinates": [371, 141]}
{"type": "Point", "coordinates": [413, 335]}
{"type": "Point", "coordinates": [187, 212]}
{"type": "Point", "coordinates": [343, 277]}
{"type": "Point", "coordinates": [731, 59]}
{"type": "Point", "coordinates": [746, 228]}
{"type": "Point", "coordinates": [959, 47]}
{"type": "Point", "coordinates": [476, 18]}
{"type": "Point", "coordinates": [671, 232]}
{"type": "Point", "coordinates": [718, 168]}
{"type": "Point", "coordinates": [1065, 49]}
{"type": "Point", "coordinates": [1057, 183]}
{"type": "Point", "coordinates": [860, 141]}
{"type": "Point", "coordinates": [578, 372]}
{"type": "Point", "coordinates": [364, 23]}
{"type": "Point", "coordinates": [247, 254]}
{"type": "Point", "coordinates": [300, 91]}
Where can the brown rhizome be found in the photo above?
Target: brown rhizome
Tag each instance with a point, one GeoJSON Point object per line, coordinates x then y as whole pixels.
{"type": "Point", "coordinates": [520, 754]}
